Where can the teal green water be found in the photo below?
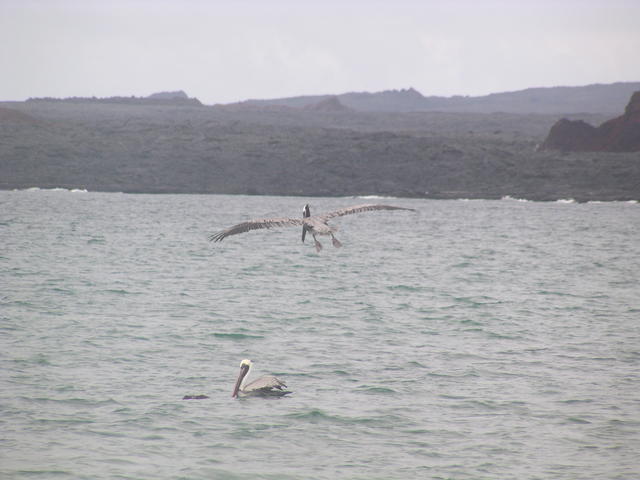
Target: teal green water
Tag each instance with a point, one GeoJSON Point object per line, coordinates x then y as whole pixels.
{"type": "Point", "coordinates": [466, 340]}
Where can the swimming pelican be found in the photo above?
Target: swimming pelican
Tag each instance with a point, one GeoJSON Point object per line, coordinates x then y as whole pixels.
{"type": "Point", "coordinates": [265, 386]}
{"type": "Point", "coordinates": [315, 225]}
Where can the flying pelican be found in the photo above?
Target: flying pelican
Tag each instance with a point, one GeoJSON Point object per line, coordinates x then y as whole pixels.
{"type": "Point", "coordinates": [315, 225]}
{"type": "Point", "coordinates": [265, 386]}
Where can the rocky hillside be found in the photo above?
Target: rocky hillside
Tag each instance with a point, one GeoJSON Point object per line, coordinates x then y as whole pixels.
{"type": "Point", "coordinates": [607, 99]}
{"type": "Point", "coordinates": [326, 150]}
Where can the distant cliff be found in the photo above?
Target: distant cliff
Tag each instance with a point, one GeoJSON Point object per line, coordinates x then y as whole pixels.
{"type": "Point", "coordinates": [608, 99]}
{"type": "Point", "coordinates": [620, 134]}
{"type": "Point", "coordinates": [161, 98]}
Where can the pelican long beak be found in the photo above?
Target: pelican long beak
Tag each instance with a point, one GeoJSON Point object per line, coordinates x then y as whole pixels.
{"type": "Point", "coordinates": [244, 369]}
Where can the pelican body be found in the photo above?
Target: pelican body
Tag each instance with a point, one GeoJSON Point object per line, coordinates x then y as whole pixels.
{"type": "Point", "coordinates": [265, 386]}
{"type": "Point", "coordinates": [315, 225]}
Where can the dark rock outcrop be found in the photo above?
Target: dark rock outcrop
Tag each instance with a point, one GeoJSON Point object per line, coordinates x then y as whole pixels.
{"type": "Point", "coordinates": [570, 136]}
{"type": "Point", "coordinates": [620, 134]}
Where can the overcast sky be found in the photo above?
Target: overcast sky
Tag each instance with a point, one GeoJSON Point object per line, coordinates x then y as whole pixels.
{"type": "Point", "coordinates": [226, 51]}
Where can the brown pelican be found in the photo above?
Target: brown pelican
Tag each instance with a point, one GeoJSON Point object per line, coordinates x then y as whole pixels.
{"type": "Point", "coordinates": [316, 225]}
{"type": "Point", "coordinates": [265, 386]}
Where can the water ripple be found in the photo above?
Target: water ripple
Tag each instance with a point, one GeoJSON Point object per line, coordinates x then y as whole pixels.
{"type": "Point", "coordinates": [484, 339]}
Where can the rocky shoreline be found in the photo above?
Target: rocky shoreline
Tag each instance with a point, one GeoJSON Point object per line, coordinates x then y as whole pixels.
{"type": "Point", "coordinates": [305, 152]}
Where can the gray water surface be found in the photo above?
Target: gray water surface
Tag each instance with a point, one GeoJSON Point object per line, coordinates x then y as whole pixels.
{"type": "Point", "coordinates": [466, 340]}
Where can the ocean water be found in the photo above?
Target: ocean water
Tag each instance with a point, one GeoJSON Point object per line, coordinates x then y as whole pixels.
{"type": "Point", "coordinates": [466, 340]}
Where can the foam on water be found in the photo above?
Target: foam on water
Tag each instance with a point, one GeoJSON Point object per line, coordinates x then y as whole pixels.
{"type": "Point", "coordinates": [54, 189]}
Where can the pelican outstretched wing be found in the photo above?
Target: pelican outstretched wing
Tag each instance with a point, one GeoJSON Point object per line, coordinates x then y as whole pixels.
{"type": "Point", "coordinates": [254, 225]}
{"type": "Point", "coordinates": [266, 385]}
{"type": "Point", "coordinates": [361, 208]}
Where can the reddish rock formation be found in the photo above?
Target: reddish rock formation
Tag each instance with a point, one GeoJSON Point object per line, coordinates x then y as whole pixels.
{"type": "Point", "coordinates": [620, 134]}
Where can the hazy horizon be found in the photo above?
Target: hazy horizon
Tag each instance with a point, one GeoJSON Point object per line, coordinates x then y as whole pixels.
{"type": "Point", "coordinates": [223, 52]}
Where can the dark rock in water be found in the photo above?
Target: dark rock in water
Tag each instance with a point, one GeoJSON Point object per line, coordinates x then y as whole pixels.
{"type": "Point", "coordinates": [194, 397]}
{"type": "Point", "coordinates": [620, 134]}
